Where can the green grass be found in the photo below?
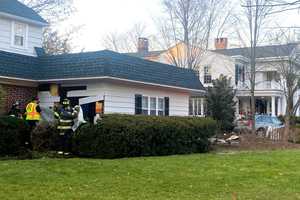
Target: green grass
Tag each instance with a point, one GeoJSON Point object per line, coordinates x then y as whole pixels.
{"type": "Point", "coordinates": [257, 175]}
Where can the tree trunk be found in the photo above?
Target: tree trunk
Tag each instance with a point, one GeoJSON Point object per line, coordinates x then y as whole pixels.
{"type": "Point", "coordinates": [253, 131]}
{"type": "Point", "coordinates": [286, 127]}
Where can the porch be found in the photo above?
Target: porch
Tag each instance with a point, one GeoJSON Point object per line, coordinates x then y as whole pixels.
{"type": "Point", "coordinates": [264, 105]}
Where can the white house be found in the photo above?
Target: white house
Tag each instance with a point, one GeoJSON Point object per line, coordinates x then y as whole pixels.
{"type": "Point", "coordinates": [103, 81]}
{"type": "Point", "coordinates": [269, 92]}
{"type": "Point", "coordinates": [234, 63]}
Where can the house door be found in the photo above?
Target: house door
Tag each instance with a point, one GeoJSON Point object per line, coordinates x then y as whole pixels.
{"type": "Point", "coordinates": [261, 106]}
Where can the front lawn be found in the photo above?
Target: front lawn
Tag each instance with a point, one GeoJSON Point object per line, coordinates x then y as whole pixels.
{"type": "Point", "coordinates": [258, 175]}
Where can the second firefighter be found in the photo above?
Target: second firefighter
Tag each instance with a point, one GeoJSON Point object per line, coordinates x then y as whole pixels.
{"type": "Point", "coordinates": [65, 115]}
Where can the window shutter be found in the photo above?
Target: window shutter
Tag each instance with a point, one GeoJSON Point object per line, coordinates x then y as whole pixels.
{"type": "Point", "coordinates": [138, 104]}
{"type": "Point", "coordinates": [167, 105]}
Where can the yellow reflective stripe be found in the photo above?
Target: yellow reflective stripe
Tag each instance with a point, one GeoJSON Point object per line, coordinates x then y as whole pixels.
{"type": "Point", "coordinates": [64, 127]}
{"type": "Point", "coordinates": [65, 121]}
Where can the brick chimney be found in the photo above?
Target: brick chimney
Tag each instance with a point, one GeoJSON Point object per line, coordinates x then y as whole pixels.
{"type": "Point", "coordinates": [221, 43]}
{"type": "Point", "coordinates": [143, 45]}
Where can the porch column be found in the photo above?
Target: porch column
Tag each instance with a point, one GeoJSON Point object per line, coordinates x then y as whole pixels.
{"type": "Point", "coordinates": [283, 110]}
{"type": "Point", "coordinates": [273, 105]}
{"type": "Point", "coordinates": [202, 106]}
{"type": "Point", "coordinates": [279, 106]}
{"type": "Point", "coordinates": [268, 107]}
{"type": "Point", "coordinates": [237, 107]}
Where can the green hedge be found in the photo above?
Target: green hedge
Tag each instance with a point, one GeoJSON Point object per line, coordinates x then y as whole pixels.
{"type": "Point", "coordinates": [12, 132]}
{"type": "Point", "coordinates": [45, 137]}
{"type": "Point", "coordinates": [118, 136]}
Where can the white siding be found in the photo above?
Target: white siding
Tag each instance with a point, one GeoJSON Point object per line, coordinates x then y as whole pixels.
{"type": "Point", "coordinates": [34, 38]}
{"type": "Point", "coordinates": [219, 64]}
{"type": "Point", "coordinates": [120, 98]}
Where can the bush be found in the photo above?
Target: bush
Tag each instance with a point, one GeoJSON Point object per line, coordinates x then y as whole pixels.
{"type": "Point", "coordinates": [118, 136]}
{"type": "Point", "coordinates": [12, 136]}
{"type": "Point", "coordinates": [44, 137]}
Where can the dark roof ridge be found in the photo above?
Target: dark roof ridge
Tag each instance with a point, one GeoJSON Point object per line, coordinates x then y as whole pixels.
{"type": "Point", "coordinates": [105, 51]}
{"type": "Point", "coordinates": [260, 46]}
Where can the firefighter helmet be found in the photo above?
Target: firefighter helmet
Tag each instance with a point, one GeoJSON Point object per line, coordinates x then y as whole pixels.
{"type": "Point", "coordinates": [66, 102]}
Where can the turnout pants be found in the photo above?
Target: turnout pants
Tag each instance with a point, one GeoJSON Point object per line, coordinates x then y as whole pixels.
{"type": "Point", "coordinates": [65, 144]}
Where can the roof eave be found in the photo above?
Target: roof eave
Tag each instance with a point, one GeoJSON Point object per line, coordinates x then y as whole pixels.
{"type": "Point", "coordinates": [23, 19]}
{"type": "Point", "coordinates": [202, 91]}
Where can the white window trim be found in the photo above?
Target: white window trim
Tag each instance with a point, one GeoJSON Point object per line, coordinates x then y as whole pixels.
{"type": "Point", "coordinates": [13, 36]}
{"type": "Point", "coordinates": [197, 101]}
{"type": "Point", "coordinates": [149, 104]}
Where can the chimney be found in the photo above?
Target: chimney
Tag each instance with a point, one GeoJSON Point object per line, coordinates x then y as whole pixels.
{"type": "Point", "coordinates": [143, 45]}
{"type": "Point", "coordinates": [221, 43]}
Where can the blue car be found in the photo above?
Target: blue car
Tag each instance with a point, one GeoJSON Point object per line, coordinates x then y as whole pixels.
{"type": "Point", "coordinates": [262, 122]}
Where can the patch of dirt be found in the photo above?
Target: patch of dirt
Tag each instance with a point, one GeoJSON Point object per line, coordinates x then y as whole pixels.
{"type": "Point", "coordinates": [250, 142]}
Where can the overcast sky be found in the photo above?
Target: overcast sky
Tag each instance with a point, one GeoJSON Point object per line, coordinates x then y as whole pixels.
{"type": "Point", "coordinates": [99, 17]}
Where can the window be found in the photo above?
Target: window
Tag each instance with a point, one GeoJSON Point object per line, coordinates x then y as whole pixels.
{"type": "Point", "coordinates": [239, 73]}
{"type": "Point", "coordinates": [161, 107]}
{"type": "Point", "coordinates": [207, 74]}
{"type": "Point", "coordinates": [195, 107]}
{"type": "Point", "coordinates": [191, 107]}
{"type": "Point", "coordinates": [145, 105]}
{"type": "Point", "coordinates": [19, 34]}
{"type": "Point", "coordinates": [152, 106]}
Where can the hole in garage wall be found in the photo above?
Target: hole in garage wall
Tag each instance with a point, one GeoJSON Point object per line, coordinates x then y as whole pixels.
{"type": "Point", "coordinates": [90, 110]}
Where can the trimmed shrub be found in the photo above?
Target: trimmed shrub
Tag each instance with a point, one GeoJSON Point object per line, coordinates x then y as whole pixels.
{"type": "Point", "coordinates": [12, 136]}
{"type": "Point", "coordinates": [44, 137]}
{"type": "Point", "coordinates": [118, 136]}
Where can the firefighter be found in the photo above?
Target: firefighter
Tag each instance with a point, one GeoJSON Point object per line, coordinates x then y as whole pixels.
{"type": "Point", "coordinates": [15, 110]}
{"type": "Point", "coordinates": [65, 115]}
{"type": "Point", "coordinates": [33, 116]}
{"type": "Point", "coordinates": [33, 113]}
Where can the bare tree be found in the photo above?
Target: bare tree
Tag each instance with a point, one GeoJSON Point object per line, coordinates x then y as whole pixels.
{"type": "Point", "coordinates": [126, 41]}
{"type": "Point", "coordinates": [287, 67]}
{"type": "Point", "coordinates": [188, 27]}
{"type": "Point", "coordinates": [54, 11]}
{"type": "Point", "coordinates": [55, 43]}
{"type": "Point", "coordinates": [255, 14]}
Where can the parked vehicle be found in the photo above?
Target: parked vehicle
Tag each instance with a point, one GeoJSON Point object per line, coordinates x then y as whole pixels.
{"type": "Point", "coordinates": [263, 122]}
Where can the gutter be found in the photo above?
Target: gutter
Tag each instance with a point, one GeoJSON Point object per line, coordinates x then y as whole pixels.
{"type": "Point", "coordinates": [104, 77]}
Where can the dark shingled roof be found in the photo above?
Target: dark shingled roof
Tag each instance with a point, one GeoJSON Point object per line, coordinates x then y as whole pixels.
{"type": "Point", "coordinates": [96, 64]}
{"type": "Point", "coordinates": [18, 66]}
{"type": "Point", "coordinates": [261, 51]}
{"type": "Point", "coordinates": [15, 7]}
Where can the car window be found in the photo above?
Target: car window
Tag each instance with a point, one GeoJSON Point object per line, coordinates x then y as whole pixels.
{"type": "Point", "coordinates": [259, 119]}
{"type": "Point", "coordinates": [276, 120]}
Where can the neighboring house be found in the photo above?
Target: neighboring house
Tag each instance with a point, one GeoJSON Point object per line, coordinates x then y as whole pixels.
{"type": "Point", "coordinates": [211, 66]}
{"type": "Point", "coordinates": [119, 83]}
{"type": "Point", "coordinates": [269, 93]}
{"type": "Point", "coordinates": [234, 63]}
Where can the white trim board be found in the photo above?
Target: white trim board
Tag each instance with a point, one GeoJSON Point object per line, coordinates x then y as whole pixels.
{"type": "Point", "coordinates": [104, 77]}
{"type": "Point", "coordinates": [91, 99]}
{"type": "Point", "coordinates": [122, 79]}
